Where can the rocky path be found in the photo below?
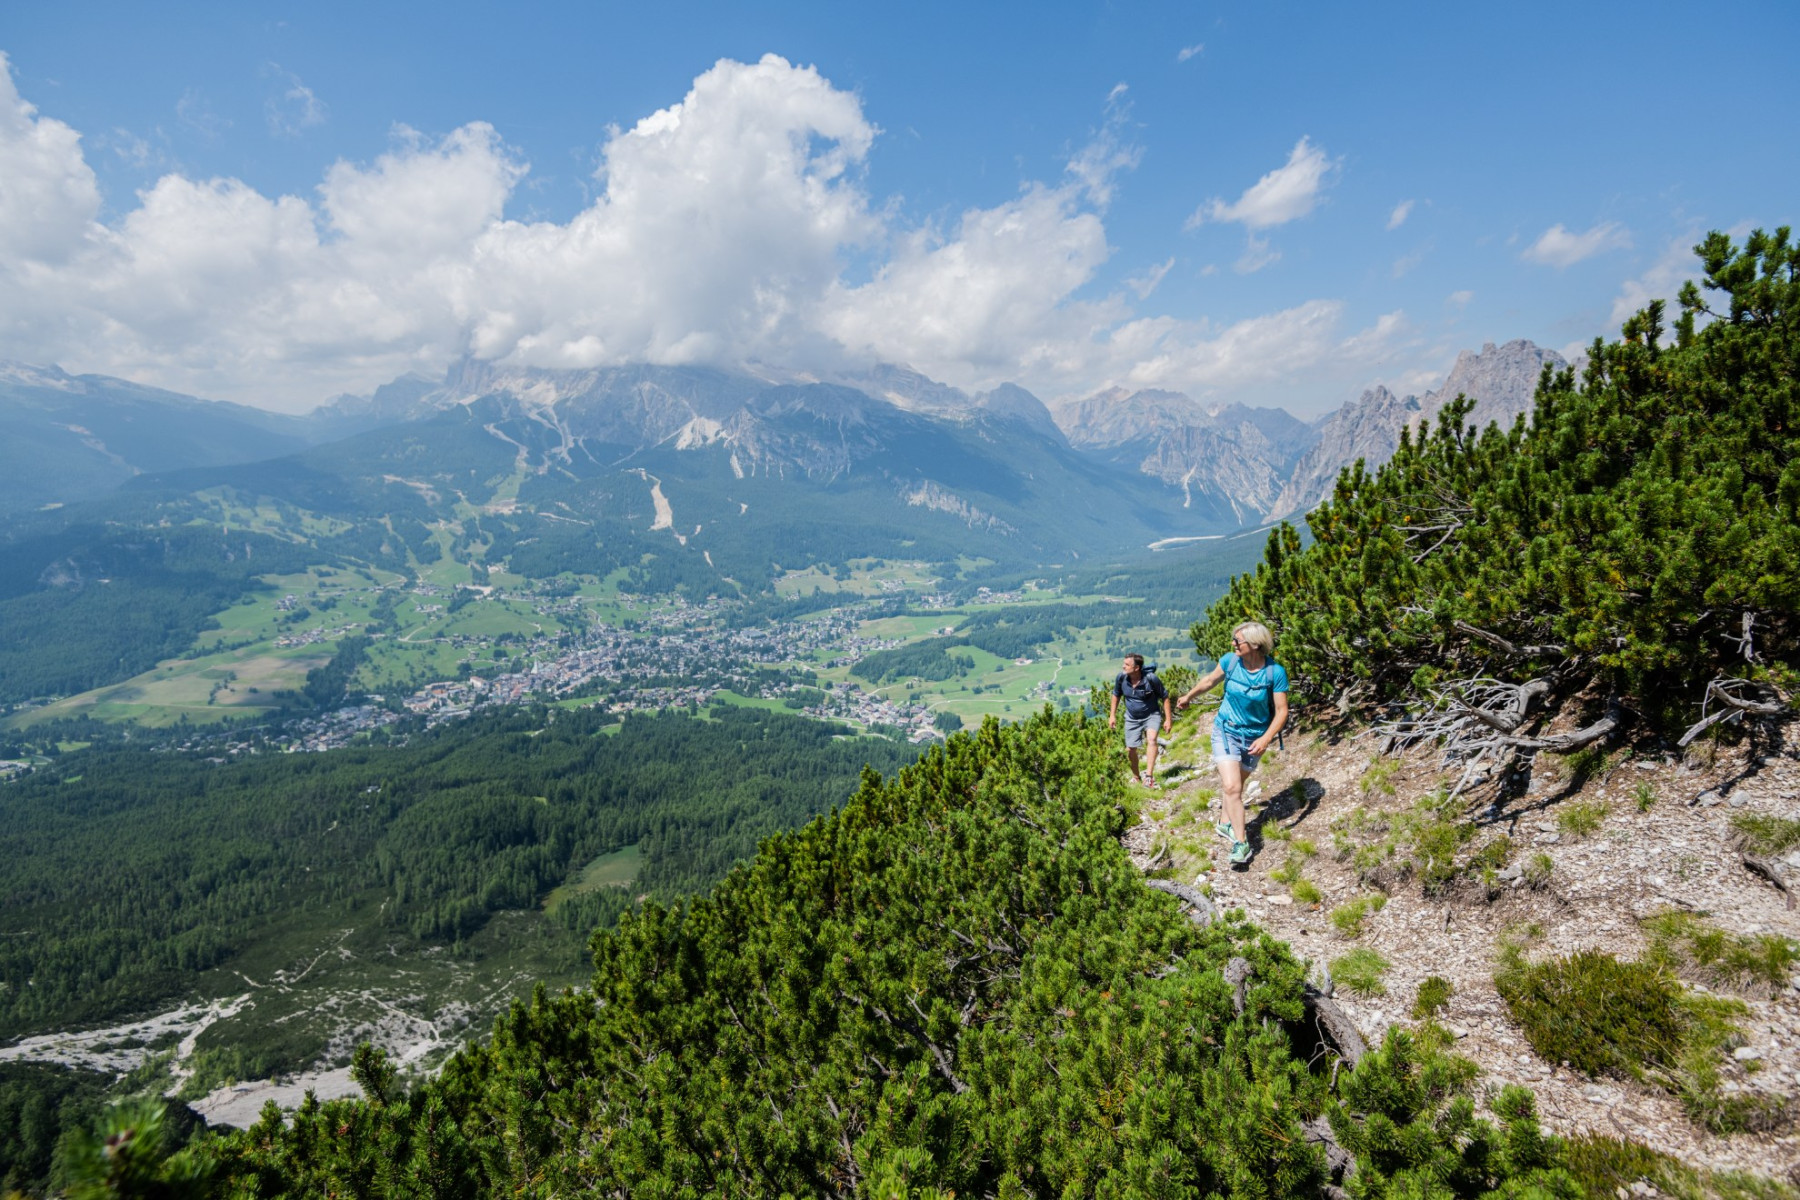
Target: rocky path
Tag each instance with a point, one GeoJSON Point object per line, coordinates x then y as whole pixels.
{"type": "Point", "coordinates": [1675, 854]}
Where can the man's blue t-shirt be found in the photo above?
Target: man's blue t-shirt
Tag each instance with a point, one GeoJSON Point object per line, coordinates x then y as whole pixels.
{"type": "Point", "coordinates": [1142, 698]}
{"type": "Point", "coordinates": [1247, 705]}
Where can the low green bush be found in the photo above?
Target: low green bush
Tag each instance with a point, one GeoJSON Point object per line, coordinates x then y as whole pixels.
{"type": "Point", "coordinates": [1599, 1015]}
{"type": "Point", "coordinates": [1634, 1020]}
{"type": "Point", "coordinates": [1414, 1132]}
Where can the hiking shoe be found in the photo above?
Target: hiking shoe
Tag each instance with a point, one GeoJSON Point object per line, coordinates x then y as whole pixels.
{"type": "Point", "coordinates": [1240, 853]}
{"type": "Point", "coordinates": [1223, 829]}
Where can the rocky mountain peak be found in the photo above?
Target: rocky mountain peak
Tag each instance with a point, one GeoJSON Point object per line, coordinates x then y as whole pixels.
{"type": "Point", "coordinates": [1501, 380]}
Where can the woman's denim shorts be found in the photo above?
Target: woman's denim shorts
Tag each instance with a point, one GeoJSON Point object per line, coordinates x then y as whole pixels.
{"type": "Point", "coordinates": [1228, 746]}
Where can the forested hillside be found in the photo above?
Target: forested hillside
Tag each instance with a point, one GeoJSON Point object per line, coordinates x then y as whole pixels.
{"type": "Point", "coordinates": [425, 841]}
{"type": "Point", "coordinates": [958, 984]}
{"type": "Point", "coordinates": [1636, 545]}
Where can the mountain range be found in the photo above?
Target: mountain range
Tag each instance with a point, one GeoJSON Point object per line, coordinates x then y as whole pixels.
{"type": "Point", "coordinates": [680, 449]}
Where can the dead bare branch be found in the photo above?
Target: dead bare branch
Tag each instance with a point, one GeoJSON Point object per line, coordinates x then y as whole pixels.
{"type": "Point", "coordinates": [1565, 742]}
{"type": "Point", "coordinates": [1511, 648]}
{"type": "Point", "coordinates": [1733, 704]}
{"type": "Point", "coordinates": [1745, 641]}
{"type": "Point", "coordinates": [1237, 974]}
{"type": "Point", "coordinates": [1339, 1163]}
{"type": "Point", "coordinates": [1770, 872]}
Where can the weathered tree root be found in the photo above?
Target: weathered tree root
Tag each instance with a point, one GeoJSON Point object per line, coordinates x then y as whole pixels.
{"type": "Point", "coordinates": [1205, 912]}
{"type": "Point", "coordinates": [1335, 1027]}
{"type": "Point", "coordinates": [1770, 872]}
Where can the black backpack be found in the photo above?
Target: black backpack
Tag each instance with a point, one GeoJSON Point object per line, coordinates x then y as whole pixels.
{"type": "Point", "coordinates": [1149, 673]}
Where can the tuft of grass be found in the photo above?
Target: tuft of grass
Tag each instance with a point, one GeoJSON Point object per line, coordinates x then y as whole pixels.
{"type": "Point", "coordinates": [1378, 776]}
{"type": "Point", "coordinates": [1305, 891]}
{"type": "Point", "coordinates": [1581, 818]}
{"type": "Point", "coordinates": [1434, 992]}
{"type": "Point", "coordinates": [1763, 834]}
{"type": "Point", "coordinates": [1643, 796]}
{"type": "Point", "coordinates": [1486, 862]}
{"type": "Point", "coordinates": [1683, 942]}
{"type": "Point", "coordinates": [1293, 870]}
{"type": "Point", "coordinates": [1605, 1166]}
{"type": "Point", "coordinates": [1349, 916]}
{"type": "Point", "coordinates": [1538, 869]}
{"type": "Point", "coordinates": [1361, 970]}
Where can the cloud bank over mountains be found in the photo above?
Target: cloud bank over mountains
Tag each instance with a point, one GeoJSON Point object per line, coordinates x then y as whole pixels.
{"type": "Point", "coordinates": [724, 231]}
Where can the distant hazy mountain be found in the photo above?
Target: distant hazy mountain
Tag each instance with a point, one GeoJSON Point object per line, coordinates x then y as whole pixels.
{"type": "Point", "coordinates": [887, 449]}
{"type": "Point", "coordinates": [70, 437]}
{"type": "Point", "coordinates": [1367, 428]}
{"type": "Point", "coordinates": [1117, 467]}
{"type": "Point", "coordinates": [1230, 456]}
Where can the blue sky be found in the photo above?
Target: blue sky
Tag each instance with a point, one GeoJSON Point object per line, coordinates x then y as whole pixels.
{"type": "Point", "coordinates": [1278, 203]}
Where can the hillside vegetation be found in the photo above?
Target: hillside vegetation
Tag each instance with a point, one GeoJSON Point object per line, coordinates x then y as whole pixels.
{"type": "Point", "coordinates": [1637, 542]}
{"type": "Point", "coordinates": [958, 984]}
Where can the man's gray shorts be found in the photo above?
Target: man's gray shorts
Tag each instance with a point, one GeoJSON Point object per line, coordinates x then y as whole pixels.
{"type": "Point", "coordinates": [1135, 726]}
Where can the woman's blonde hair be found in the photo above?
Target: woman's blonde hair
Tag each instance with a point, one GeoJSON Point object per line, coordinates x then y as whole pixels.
{"type": "Point", "coordinates": [1257, 634]}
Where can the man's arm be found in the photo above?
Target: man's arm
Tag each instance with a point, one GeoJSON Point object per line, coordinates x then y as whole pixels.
{"type": "Point", "coordinates": [1112, 712]}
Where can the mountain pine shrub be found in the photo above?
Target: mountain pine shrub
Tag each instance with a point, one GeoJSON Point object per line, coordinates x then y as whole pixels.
{"type": "Point", "coordinates": [1621, 542]}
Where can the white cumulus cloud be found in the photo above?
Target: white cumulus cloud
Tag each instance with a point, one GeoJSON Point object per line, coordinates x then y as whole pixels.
{"type": "Point", "coordinates": [1397, 218]}
{"type": "Point", "coordinates": [1558, 247]}
{"type": "Point", "coordinates": [722, 230]}
{"type": "Point", "coordinates": [1187, 52]}
{"type": "Point", "coordinates": [48, 196]}
{"type": "Point", "coordinates": [1287, 193]}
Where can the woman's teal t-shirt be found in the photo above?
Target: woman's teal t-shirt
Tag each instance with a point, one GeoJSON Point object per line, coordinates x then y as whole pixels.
{"type": "Point", "coordinates": [1247, 705]}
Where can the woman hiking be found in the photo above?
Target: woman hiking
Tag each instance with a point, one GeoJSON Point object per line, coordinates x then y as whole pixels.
{"type": "Point", "coordinates": [1252, 710]}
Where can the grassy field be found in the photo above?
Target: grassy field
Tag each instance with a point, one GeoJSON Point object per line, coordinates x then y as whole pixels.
{"type": "Point", "coordinates": [618, 869]}
{"type": "Point", "coordinates": [213, 687]}
{"type": "Point", "coordinates": [1058, 672]}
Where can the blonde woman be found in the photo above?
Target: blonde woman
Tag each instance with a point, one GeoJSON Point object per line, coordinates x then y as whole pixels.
{"type": "Point", "coordinates": [1253, 708]}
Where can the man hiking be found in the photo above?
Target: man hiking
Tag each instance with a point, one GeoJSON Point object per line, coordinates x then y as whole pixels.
{"type": "Point", "coordinates": [1146, 712]}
